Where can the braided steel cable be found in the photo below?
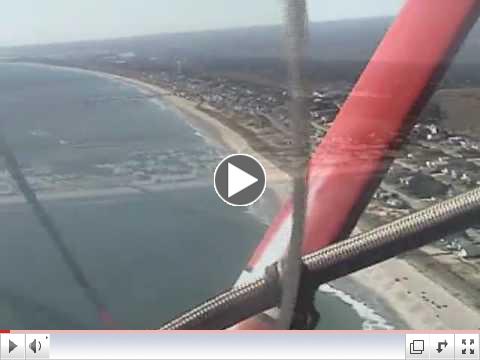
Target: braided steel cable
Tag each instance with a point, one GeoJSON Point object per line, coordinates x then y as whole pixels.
{"type": "Point", "coordinates": [343, 258]}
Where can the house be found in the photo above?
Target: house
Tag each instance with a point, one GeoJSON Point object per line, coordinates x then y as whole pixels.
{"type": "Point", "coordinates": [425, 187]}
{"type": "Point", "coordinates": [398, 174]}
{"type": "Point", "coordinates": [470, 251]}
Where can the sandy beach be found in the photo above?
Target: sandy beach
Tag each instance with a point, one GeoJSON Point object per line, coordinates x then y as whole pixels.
{"type": "Point", "coordinates": [417, 300]}
{"type": "Point", "coordinates": [394, 289]}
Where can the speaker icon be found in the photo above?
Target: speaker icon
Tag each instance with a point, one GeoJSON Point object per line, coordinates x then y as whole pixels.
{"type": "Point", "coordinates": [35, 346]}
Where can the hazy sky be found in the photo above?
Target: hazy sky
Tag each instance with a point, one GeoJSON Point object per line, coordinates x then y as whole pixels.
{"type": "Point", "coordinates": [41, 21]}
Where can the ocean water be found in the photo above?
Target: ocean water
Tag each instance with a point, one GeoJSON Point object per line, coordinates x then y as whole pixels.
{"type": "Point", "coordinates": [151, 254]}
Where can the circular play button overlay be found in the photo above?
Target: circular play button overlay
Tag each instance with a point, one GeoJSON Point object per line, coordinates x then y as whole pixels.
{"type": "Point", "coordinates": [239, 180]}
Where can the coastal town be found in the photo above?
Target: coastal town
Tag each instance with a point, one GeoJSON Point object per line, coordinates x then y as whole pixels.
{"type": "Point", "coordinates": [434, 164]}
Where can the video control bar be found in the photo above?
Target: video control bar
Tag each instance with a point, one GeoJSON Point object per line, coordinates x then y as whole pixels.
{"type": "Point", "coordinates": [346, 345]}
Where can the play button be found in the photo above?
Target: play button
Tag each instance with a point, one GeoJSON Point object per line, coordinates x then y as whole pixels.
{"type": "Point", "coordinates": [11, 346]}
{"type": "Point", "coordinates": [239, 180]}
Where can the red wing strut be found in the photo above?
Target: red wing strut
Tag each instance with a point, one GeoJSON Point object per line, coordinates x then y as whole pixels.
{"type": "Point", "coordinates": [383, 105]}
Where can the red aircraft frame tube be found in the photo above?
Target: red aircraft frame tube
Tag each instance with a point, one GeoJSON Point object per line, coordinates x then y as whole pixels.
{"type": "Point", "coordinates": [348, 165]}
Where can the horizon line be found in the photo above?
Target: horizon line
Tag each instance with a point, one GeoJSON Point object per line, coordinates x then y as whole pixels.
{"type": "Point", "coordinates": [125, 37]}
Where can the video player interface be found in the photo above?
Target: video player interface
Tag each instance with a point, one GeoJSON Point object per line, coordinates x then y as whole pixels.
{"type": "Point", "coordinates": [219, 179]}
{"type": "Point", "coordinates": [240, 345]}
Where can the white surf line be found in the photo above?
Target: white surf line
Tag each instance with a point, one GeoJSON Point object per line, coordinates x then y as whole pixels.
{"type": "Point", "coordinates": [131, 189]}
{"type": "Point", "coordinates": [372, 320]}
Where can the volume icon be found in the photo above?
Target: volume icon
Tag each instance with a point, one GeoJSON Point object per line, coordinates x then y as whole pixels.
{"type": "Point", "coordinates": [35, 346]}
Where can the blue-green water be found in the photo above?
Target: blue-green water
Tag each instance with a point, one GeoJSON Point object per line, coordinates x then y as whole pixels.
{"type": "Point", "coordinates": [150, 255]}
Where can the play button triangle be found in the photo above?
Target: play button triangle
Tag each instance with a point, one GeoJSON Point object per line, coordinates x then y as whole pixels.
{"type": "Point", "coordinates": [11, 346]}
{"type": "Point", "coordinates": [238, 180]}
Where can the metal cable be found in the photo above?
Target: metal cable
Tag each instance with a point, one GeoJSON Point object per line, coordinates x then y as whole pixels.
{"type": "Point", "coordinates": [343, 258]}
{"type": "Point", "coordinates": [230, 307]}
{"type": "Point", "coordinates": [407, 233]}
{"type": "Point", "coordinates": [53, 232]}
{"type": "Point", "coordinates": [291, 265]}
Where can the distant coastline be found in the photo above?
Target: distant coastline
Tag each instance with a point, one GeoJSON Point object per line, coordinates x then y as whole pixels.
{"type": "Point", "coordinates": [215, 132]}
{"type": "Point", "coordinates": [381, 284]}
{"type": "Point", "coordinates": [379, 287]}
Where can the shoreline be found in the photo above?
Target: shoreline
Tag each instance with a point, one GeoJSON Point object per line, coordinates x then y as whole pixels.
{"type": "Point", "coordinates": [216, 133]}
{"type": "Point", "coordinates": [280, 187]}
{"type": "Point", "coordinates": [399, 298]}
{"type": "Point", "coordinates": [419, 288]}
